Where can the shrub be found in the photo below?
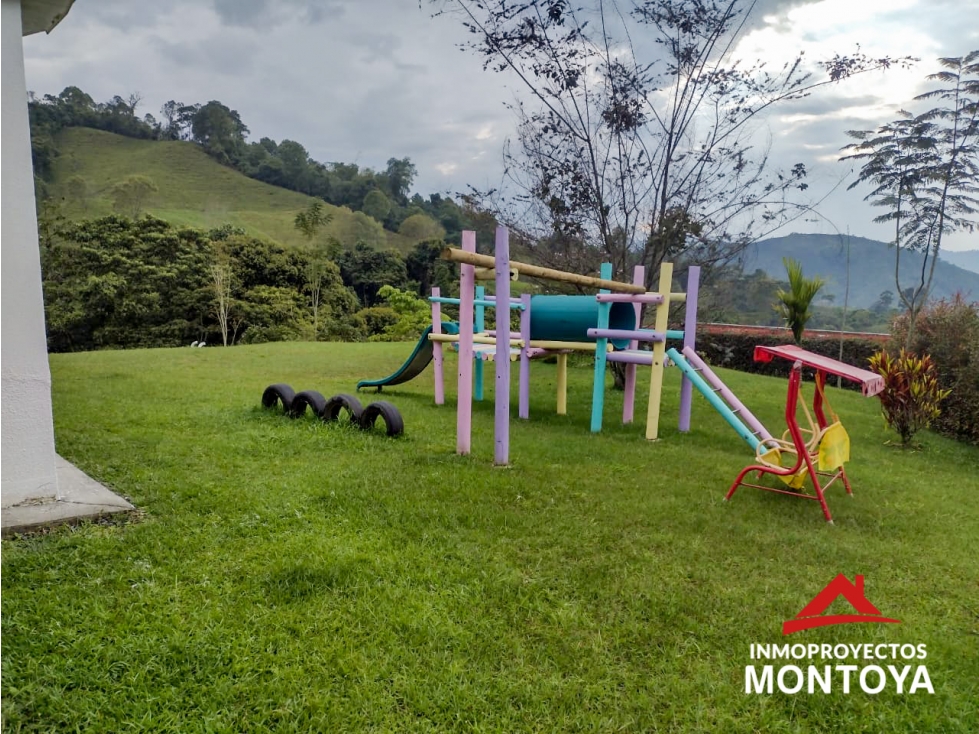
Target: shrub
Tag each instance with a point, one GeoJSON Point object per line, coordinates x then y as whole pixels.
{"type": "Point", "coordinates": [948, 330]}
{"type": "Point", "coordinates": [912, 397]}
{"type": "Point", "coordinates": [413, 315]}
{"type": "Point", "coordinates": [377, 318]}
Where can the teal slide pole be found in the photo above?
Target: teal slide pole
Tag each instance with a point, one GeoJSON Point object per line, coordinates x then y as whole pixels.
{"type": "Point", "coordinates": [479, 325]}
{"type": "Point", "coordinates": [601, 351]}
{"type": "Point", "coordinates": [713, 398]}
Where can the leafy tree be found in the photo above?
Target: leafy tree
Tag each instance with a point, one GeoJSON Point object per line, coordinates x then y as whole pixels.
{"type": "Point", "coordinates": [114, 282]}
{"type": "Point", "coordinates": [350, 228]}
{"type": "Point", "coordinates": [219, 130]}
{"type": "Point", "coordinates": [295, 165]}
{"type": "Point", "coordinates": [924, 170]}
{"type": "Point", "coordinates": [413, 315]}
{"type": "Point", "coordinates": [419, 227]}
{"type": "Point", "coordinates": [377, 205]}
{"type": "Point", "coordinates": [171, 127]}
{"type": "Point", "coordinates": [426, 267]}
{"type": "Point", "coordinates": [884, 302]}
{"type": "Point", "coordinates": [311, 219]}
{"type": "Point", "coordinates": [400, 174]}
{"type": "Point", "coordinates": [632, 146]}
{"type": "Point", "coordinates": [794, 304]}
{"type": "Point", "coordinates": [366, 270]}
{"type": "Point", "coordinates": [130, 195]}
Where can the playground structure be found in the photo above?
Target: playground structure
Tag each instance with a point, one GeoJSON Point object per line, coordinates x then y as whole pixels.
{"type": "Point", "coordinates": [606, 324]}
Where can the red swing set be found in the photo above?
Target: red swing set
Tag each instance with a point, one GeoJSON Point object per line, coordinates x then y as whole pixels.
{"type": "Point", "coordinates": [827, 448]}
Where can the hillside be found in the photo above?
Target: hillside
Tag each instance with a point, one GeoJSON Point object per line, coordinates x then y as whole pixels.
{"type": "Point", "coordinates": [871, 267]}
{"type": "Point", "coordinates": [965, 259]}
{"type": "Point", "coordinates": [194, 189]}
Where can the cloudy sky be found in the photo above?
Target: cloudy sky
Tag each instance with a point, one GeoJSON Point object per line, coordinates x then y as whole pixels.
{"type": "Point", "coordinates": [365, 80]}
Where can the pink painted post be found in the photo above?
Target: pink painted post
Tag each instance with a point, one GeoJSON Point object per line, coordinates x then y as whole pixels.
{"type": "Point", "coordinates": [437, 349]}
{"type": "Point", "coordinates": [629, 399]}
{"type": "Point", "coordinates": [464, 392]}
{"type": "Point", "coordinates": [689, 341]}
{"type": "Point", "coordinates": [524, 407]}
{"type": "Point", "coordinates": [501, 431]}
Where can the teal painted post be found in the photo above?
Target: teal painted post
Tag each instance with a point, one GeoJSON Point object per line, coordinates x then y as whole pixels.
{"type": "Point", "coordinates": [601, 349]}
{"type": "Point", "coordinates": [479, 326]}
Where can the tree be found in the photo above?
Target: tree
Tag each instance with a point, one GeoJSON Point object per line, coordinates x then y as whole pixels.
{"type": "Point", "coordinates": [420, 227]}
{"type": "Point", "coordinates": [219, 130]}
{"type": "Point", "coordinates": [170, 127]}
{"type": "Point", "coordinates": [884, 302]}
{"type": "Point", "coordinates": [365, 270]}
{"type": "Point", "coordinates": [793, 304]}
{"type": "Point", "coordinates": [426, 267]}
{"type": "Point", "coordinates": [377, 205]}
{"type": "Point", "coordinates": [924, 170]}
{"type": "Point", "coordinates": [118, 282]}
{"type": "Point", "coordinates": [318, 266]}
{"type": "Point", "coordinates": [311, 219]}
{"type": "Point", "coordinates": [637, 142]}
{"type": "Point", "coordinates": [353, 228]}
{"type": "Point", "coordinates": [400, 174]}
{"type": "Point", "coordinates": [222, 281]}
{"type": "Point", "coordinates": [130, 195]}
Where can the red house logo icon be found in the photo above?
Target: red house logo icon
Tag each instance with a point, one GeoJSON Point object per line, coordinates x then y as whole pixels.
{"type": "Point", "coordinates": [810, 617]}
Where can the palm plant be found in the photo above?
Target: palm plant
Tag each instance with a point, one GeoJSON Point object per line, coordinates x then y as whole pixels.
{"type": "Point", "coordinates": [793, 304]}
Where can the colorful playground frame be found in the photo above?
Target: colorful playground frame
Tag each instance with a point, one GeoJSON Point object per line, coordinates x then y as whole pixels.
{"type": "Point", "coordinates": [549, 326]}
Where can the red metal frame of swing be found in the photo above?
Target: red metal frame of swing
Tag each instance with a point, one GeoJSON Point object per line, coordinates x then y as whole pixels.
{"type": "Point", "coordinates": [802, 452]}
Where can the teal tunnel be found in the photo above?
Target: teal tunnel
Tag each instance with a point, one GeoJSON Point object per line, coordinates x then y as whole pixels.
{"type": "Point", "coordinates": [568, 318]}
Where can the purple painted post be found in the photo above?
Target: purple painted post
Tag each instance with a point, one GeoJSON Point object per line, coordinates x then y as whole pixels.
{"type": "Point", "coordinates": [689, 340]}
{"type": "Point", "coordinates": [501, 429]}
{"type": "Point", "coordinates": [437, 349]}
{"type": "Point", "coordinates": [629, 399]}
{"type": "Point", "coordinates": [524, 407]}
{"type": "Point", "coordinates": [464, 392]}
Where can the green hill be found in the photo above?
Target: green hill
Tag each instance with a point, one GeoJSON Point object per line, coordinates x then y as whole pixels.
{"type": "Point", "coordinates": [871, 267]}
{"type": "Point", "coordinates": [965, 259]}
{"type": "Point", "coordinates": [194, 189]}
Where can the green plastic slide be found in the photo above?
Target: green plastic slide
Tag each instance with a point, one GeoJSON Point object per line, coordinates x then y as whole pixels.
{"type": "Point", "coordinates": [415, 364]}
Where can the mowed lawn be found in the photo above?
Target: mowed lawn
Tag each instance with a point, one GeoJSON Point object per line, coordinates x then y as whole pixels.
{"type": "Point", "coordinates": [297, 576]}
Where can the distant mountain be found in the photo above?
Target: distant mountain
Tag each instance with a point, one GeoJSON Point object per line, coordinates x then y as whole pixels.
{"type": "Point", "coordinates": [966, 259]}
{"type": "Point", "coordinates": [871, 267]}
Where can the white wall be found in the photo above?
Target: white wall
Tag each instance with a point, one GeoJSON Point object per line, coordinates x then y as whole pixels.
{"type": "Point", "coordinates": [27, 464]}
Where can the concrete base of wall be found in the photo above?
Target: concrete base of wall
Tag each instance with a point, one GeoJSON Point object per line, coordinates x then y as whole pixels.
{"type": "Point", "coordinates": [80, 498]}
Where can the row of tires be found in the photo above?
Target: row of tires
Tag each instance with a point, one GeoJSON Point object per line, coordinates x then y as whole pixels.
{"type": "Point", "coordinates": [294, 404]}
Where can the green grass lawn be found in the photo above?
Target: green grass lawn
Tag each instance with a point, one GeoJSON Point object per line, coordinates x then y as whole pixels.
{"type": "Point", "coordinates": [194, 189]}
{"type": "Point", "coordinates": [297, 576]}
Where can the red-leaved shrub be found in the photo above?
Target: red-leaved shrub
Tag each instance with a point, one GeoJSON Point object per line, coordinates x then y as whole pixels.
{"type": "Point", "coordinates": [911, 397]}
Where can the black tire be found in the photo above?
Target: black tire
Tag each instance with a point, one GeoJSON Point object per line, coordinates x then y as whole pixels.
{"type": "Point", "coordinates": [388, 413]}
{"type": "Point", "coordinates": [310, 399]}
{"type": "Point", "coordinates": [331, 411]}
{"type": "Point", "coordinates": [278, 393]}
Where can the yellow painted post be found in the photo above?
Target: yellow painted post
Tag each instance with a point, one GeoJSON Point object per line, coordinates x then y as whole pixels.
{"type": "Point", "coordinates": [659, 352]}
{"type": "Point", "coordinates": [562, 384]}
